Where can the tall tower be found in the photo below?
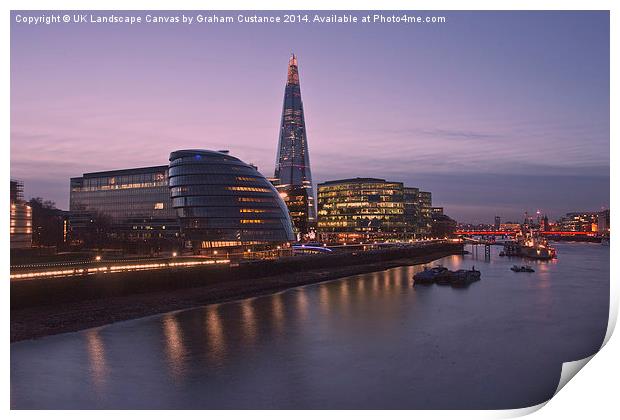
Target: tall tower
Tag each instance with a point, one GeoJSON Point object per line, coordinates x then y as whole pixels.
{"type": "Point", "coordinates": [292, 175]}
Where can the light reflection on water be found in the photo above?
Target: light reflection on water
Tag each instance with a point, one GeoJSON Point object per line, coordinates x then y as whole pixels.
{"type": "Point", "coordinates": [97, 360]}
{"type": "Point", "coordinates": [216, 350]}
{"type": "Point", "coordinates": [175, 347]}
{"type": "Point", "coordinates": [278, 312]}
{"type": "Point", "coordinates": [248, 321]}
{"type": "Point", "coordinates": [366, 341]}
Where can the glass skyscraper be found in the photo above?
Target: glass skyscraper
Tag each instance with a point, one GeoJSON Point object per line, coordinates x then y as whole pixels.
{"type": "Point", "coordinates": [292, 175]}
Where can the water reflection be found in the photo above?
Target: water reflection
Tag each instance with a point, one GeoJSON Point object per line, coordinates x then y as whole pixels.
{"type": "Point", "coordinates": [324, 304]}
{"type": "Point", "coordinates": [215, 335]}
{"type": "Point", "coordinates": [365, 341]}
{"type": "Point", "coordinates": [302, 304]}
{"type": "Point", "coordinates": [97, 360]}
{"type": "Point", "coordinates": [174, 345]}
{"type": "Point", "coordinates": [343, 295]}
{"type": "Point", "coordinates": [361, 286]}
{"type": "Point", "coordinates": [277, 311]}
{"type": "Point", "coordinates": [375, 283]}
{"type": "Point", "coordinates": [248, 321]}
{"type": "Point", "coordinates": [224, 332]}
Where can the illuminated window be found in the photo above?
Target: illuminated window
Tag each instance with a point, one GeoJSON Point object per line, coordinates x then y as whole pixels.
{"type": "Point", "coordinates": [253, 189]}
{"type": "Point", "coordinates": [159, 206]}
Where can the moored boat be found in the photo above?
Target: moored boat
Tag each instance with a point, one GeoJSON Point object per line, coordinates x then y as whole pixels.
{"type": "Point", "coordinates": [539, 252]}
{"type": "Point", "coordinates": [464, 277]}
{"type": "Point", "coordinates": [431, 275]}
{"type": "Point", "coordinates": [522, 269]}
{"type": "Point", "coordinates": [443, 276]}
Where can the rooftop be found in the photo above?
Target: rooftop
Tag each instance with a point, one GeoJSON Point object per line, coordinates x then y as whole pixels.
{"type": "Point", "coordinates": [354, 181]}
{"type": "Point", "coordinates": [121, 172]}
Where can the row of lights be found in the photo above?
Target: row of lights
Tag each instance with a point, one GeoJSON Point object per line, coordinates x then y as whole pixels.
{"type": "Point", "coordinates": [114, 269]}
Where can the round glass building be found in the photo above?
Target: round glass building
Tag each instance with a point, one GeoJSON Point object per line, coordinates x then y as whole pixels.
{"type": "Point", "coordinates": [224, 202]}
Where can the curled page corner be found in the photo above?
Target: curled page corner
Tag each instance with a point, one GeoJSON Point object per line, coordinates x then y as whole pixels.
{"type": "Point", "coordinates": [613, 315]}
{"type": "Point", "coordinates": [520, 412]}
{"type": "Point", "coordinates": [570, 369]}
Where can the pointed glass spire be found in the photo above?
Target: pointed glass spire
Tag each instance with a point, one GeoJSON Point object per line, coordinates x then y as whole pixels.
{"type": "Point", "coordinates": [293, 72]}
{"type": "Point", "coordinates": [293, 162]}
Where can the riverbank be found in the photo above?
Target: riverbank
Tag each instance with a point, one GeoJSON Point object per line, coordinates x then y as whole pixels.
{"type": "Point", "coordinates": [46, 313]}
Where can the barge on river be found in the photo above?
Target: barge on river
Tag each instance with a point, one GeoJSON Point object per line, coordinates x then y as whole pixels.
{"type": "Point", "coordinates": [443, 276]}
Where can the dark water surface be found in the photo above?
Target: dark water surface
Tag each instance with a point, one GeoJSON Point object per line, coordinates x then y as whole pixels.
{"type": "Point", "coordinates": [367, 341]}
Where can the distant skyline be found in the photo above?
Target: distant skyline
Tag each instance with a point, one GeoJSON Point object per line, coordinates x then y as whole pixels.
{"type": "Point", "coordinates": [495, 113]}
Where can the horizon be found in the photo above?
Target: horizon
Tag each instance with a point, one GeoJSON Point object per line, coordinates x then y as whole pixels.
{"type": "Point", "coordinates": [525, 131]}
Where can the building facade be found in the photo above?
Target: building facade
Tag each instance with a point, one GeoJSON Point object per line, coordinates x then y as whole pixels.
{"type": "Point", "coordinates": [442, 225]}
{"type": "Point", "coordinates": [412, 209]}
{"type": "Point", "coordinates": [578, 222]}
{"type": "Point", "coordinates": [222, 202]}
{"type": "Point", "coordinates": [292, 175]}
{"type": "Point", "coordinates": [603, 222]}
{"type": "Point", "coordinates": [20, 218]}
{"type": "Point", "coordinates": [510, 227]}
{"type": "Point", "coordinates": [425, 203]}
{"type": "Point", "coordinates": [361, 209]}
{"type": "Point", "coordinates": [436, 211]}
{"type": "Point", "coordinates": [134, 202]}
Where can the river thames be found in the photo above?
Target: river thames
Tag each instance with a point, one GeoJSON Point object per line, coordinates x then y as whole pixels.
{"type": "Point", "coordinates": [370, 341]}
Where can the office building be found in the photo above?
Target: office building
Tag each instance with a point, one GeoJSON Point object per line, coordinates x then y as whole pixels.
{"type": "Point", "coordinates": [222, 202]}
{"type": "Point", "coordinates": [293, 177]}
{"type": "Point", "coordinates": [425, 203]}
{"type": "Point", "coordinates": [361, 209]}
{"type": "Point", "coordinates": [135, 203]}
{"type": "Point", "coordinates": [20, 217]}
{"type": "Point", "coordinates": [510, 227]}
{"type": "Point", "coordinates": [442, 225]}
{"type": "Point", "coordinates": [412, 209]}
{"type": "Point", "coordinates": [603, 222]}
{"type": "Point", "coordinates": [578, 222]}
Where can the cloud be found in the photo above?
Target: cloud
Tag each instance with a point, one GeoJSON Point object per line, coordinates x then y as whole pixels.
{"type": "Point", "coordinates": [443, 133]}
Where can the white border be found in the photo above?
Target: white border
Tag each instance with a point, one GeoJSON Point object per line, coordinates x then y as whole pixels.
{"type": "Point", "coordinates": [593, 394]}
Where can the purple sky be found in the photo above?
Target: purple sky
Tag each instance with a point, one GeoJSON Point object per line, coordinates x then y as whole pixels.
{"type": "Point", "coordinates": [495, 113]}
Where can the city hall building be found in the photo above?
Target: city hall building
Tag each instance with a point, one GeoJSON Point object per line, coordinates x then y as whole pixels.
{"type": "Point", "coordinates": [223, 202]}
{"type": "Point", "coordinates": [204, 199]}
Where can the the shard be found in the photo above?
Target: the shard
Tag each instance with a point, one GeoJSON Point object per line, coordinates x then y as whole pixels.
{"type": "Point", "coordinates": [292, 175]}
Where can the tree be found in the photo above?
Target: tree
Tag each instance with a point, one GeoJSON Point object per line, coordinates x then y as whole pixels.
{"type": "Point", "coordinates": [47, 223]}
{"type": "Point", "coordinates": [96, 233]}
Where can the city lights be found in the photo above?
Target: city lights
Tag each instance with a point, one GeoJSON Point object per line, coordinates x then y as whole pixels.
{"type": "Point", "coordinates": [80, 271]}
